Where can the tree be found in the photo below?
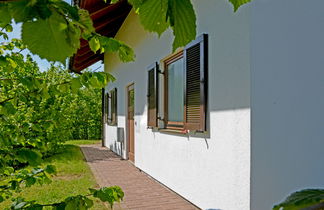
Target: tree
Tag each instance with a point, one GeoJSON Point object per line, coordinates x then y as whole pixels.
{"type": "Point", "coordinates": [36, 116]}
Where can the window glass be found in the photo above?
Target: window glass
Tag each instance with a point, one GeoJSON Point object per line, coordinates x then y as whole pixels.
{"type": "Point", "coordinates": [176, 91]}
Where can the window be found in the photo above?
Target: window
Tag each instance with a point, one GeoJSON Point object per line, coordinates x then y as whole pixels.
{"type": "Point", "coordinates": [112, 107]}
{"type": "Point", "coordinates": [174, 91]}
{"type": "Point", "coordinates": [185, 88]}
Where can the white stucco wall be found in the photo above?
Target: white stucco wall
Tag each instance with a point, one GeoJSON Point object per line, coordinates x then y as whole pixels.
{"type": "Point", "coordinates": [212, 171]}
{"type": "Point", "coordinates": [287, 98]}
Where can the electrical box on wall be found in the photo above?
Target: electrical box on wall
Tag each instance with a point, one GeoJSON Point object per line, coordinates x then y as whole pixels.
{"type": "Point", "coordinates": [120, 135]}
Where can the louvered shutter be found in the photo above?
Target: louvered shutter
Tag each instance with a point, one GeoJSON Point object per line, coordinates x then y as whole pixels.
{"type": "Point", "coordinates": [113, 109]}
{"type": "Point", "coordinates": [196, 71]}
{"type": "Point", "coordinates": [103, 105]}
{"type": "Point", "coordinates": [107, 107]}
{"type": "Point", "coordinates": [152, 95]}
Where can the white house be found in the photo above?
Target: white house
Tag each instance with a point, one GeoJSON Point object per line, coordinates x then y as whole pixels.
{"type": "Point", "coordinates": [234, 120]}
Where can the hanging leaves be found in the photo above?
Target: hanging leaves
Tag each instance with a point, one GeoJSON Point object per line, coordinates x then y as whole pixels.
{"type": "Point", "coordinates": [50, 41]}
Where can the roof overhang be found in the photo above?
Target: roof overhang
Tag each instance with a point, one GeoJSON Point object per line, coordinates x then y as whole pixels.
{"type": "Point", "coordinates": [107, 19]}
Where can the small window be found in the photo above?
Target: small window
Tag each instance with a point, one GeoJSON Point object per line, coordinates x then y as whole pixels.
{"type": "Point", "coordinates": [112, 107]}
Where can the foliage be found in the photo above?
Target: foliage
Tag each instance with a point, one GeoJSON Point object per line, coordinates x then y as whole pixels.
{"type": "Point", "coordinates": [37, 109]}
{"type": "Point", "coordinates": [309, 198]}
{"type": "Point", "coordinates": [106, 194]}
{"type": "Point", "coordinates": [73, 177]}
{"type": "Point", "coordinates": [86, 114]}
{"type": "Point", "coordinates": [37, 112]}
{"type": "Point", "coordinates": [158, 15]}
{"type": "Point", "coordinates": [60, 26]}
{"type": "Point", "coordinates": [12, 181]}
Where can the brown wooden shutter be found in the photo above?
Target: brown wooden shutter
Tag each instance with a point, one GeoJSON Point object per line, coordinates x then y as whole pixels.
{"type": "Point", "coordinates": [103, 106]}
{"type": "Point", "coordinates": [152, 95]}
{"type": "Point", "coordinates": [107, 107]}
{"type": "Point", "coordinates": [196, 71]}
{"type": "Point", "coordinates": [113, 109]}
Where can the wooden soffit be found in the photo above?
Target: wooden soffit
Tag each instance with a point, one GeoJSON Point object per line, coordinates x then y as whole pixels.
{"type": "Point", "coordinates": [107, 19]}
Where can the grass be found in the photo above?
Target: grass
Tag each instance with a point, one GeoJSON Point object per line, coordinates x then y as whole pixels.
{"type": "Point", "coordinates": [80, 142]}
{"type": "Point", "coordinates": [73, 177]}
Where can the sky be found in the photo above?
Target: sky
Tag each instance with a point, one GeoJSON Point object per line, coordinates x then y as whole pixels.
{"type": "Point", "coordinates": [42, 63]}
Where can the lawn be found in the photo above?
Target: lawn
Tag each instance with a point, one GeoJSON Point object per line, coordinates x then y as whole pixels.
{"type": "Point", "coordinates": [73, 177]}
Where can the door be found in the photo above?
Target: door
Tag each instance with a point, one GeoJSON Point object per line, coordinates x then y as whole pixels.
{"type": "Point", "coordinates": [130, 122]}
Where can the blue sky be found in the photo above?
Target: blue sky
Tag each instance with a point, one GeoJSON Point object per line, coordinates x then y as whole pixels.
{"type": "Point", "coordinates": [43, 63]}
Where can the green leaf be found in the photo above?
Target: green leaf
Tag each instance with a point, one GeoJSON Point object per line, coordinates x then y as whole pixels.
{"type": "Point", "coordinates": [86, 20]}
{"type": "Point", "coordinates": [5, 15]}
{"type": "Point", "coordinates": [302, 199]}
{"type": "Point", "coordinates": [33, 157]}
{"type": "Point", "coordinates": [158, 15]}
{"type": "Point", "coordinates": [7, 108]}
{"type": "Point", "coordinates": [94, 44]}
{"type": "Point", "coordinates": [21, 10]}
{"type": "Point", "coordinates": [125, 53]}
{"type": "Point", "coordinates": [75, 85]}
{"type": "Point", "coordinates": [71, 11]}
{"type": "Point", "coordinates": [30, 181]}
{"type": "Point", "coordinates": [51, 169]}
{"type": "Point", "coordinates": [153, 15]}
{"type": "Point", "coordinates": [238, 3]}
{"type": "Point", "coordinates": [42, 8]}
{"type": "Point", "coordinates": [183, 21]}
{"type": "Point", "coordinates": [27, 81]}
{"type": "Point", "coordinates": [109, 44]}
{"type": "Point", "coordinates": [50, 41]}
{"type": "Point", "coordinates": [78, 202]}
{"type": "Point", "coordinates": [94, 82]}
{"type": "Point", "coordinates": [109, 194]}
{"type": "Point", "coordinates": [73, 36]}
{"type": "Point", "coordinates": [63, 88]}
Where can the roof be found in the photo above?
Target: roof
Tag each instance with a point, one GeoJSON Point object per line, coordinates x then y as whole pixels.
{"type": "Point", "coordinates": [107, 19]}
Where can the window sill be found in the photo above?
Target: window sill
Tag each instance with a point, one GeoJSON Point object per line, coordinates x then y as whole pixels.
{"type": "Point", "coordinates": [165, 130]}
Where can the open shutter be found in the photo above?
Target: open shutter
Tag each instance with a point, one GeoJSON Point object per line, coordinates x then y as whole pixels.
{"type": "Point", "coordinates": [103, 106]}
{"type": "Point", "coordinates": [152, 95]}
{"type": "Point", "coordinates": [196, 72]}
{"type": "Point", "coordinates": [107, 114]}
{"type": "Point", "coordinates": [113, 95]}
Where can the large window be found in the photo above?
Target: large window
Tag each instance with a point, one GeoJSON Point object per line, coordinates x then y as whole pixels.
{"type": "Point", "coordinates": [185, 76]}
